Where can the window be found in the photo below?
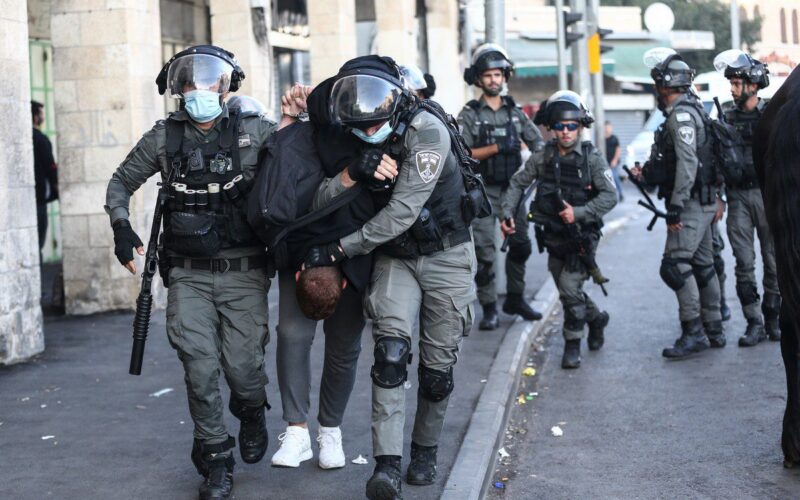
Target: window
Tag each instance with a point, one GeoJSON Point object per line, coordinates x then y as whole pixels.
{"type": "Point", "coordinates": [784, 38]}
{"type": "Point", "coordinates": [794, 26]}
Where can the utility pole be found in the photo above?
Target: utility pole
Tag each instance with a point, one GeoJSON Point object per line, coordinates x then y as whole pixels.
{"type": "Point", "coordinates": [495, 14]}
{"type": "Point", "coordinates": [593, 23]}
{"type": "Point", "coordinates": [736, 41]}
{"type": "Point", "coordinates": [561, 45]}
{"type": "Point", "coordinates": [580, 57]}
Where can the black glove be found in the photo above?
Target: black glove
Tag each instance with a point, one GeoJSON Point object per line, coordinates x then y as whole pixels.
{"type": "Point", "coordinates": [673, 214]}
{"type": "Point", "coordinates": [324, 255]}
{"type": "Point", "coordinates": [364, 167]}
{"type": "Point", "coordinates": [510, 144]}
{"type": "Point", "coordinates": [125, 240]}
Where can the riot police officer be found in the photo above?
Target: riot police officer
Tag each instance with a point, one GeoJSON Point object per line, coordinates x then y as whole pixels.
{"type": "Point", "coordinates": [424, 263]}
{"type": "Point", "coordinates": [212, 262]}
{"type": "Point", "coordinates": [575, 191]}
{"type": "Point", "coordinates": [746, 206]}
{"type": "Point", "coordinates": [495, 128]}
{"type": "Point", "coordinates": [682, 165]}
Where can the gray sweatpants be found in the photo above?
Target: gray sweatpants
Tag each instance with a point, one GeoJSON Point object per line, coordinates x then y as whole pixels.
{"type": "Point", "coordinates": [342, 348]}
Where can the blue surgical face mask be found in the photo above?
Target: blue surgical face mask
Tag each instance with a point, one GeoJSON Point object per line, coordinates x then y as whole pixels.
{"type": "Point", "coordinates": [202, 105]}
{"type": "Point", "coordinates": [378, 137]}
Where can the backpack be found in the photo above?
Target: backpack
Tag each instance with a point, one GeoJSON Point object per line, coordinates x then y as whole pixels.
{"type": "Point", "coordinates": [728, 146]}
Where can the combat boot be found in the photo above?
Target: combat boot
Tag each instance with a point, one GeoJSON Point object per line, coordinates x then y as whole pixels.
{"type": "Point", "coordinates": [572, 354]}
{"type": "Point", "coordinates": [692, 340]}
{"type": "Point", "coordinates": [385, 483]}
{"type": "Point", "coordinates": [215, 462]}
{"type": "Point", "coordinates": [724, 310]}
{"type": "Point", "coordinates": [490, 321]}
{"type": "Point", "coordinates": [715, 334]}
{"type": "Point", "coordinates": [253, 437]}
{"type": "Point", "coordinates": [422, 469]}
{"type": "Point", "coordinates": [771, 307]}
{"type": "Point", "coordinates": [515, 304]}
{"type": "Point", "coordinates": [596, 331]}
{"type": "Point", "coordinates": [753, 334]}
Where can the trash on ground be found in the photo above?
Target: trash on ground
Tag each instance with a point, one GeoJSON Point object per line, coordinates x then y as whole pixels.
{"type": "Point", "coordinates": [181, 422]}
{"type": "Point", "coordinates": [483, 381]}
{"type": "Point", "coordinates": [160, 393]}
{"type": "Point", "coordinates": [359, 460]}
{"type": "Point", "coordinates": [521, 399]}
{"type": "Point", "coordinates": [556, 431]}
{"type": "Point", "coordinates": [26, 398]}
{"type": "Point", "coordinates": [503, 453]}
{"type": "Point", "coordinates": [141, 407]}
{"type": "Point", "coordinates": [45, 438]}
{"type": "Point", "coordinates": [529, 371]}
{"type": "Point", "coordinates": [42, 406]}
{"type": "Point", "coordinates": [407, 385]}
{"type": "Point", "coordinates": [499, 485]}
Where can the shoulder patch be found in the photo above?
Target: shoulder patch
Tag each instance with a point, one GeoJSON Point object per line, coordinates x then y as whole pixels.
{"type": "Point", "coordinates": [428, 163]}
{"type": "Point", "coordinates": [686, 134]}
{"type": "Point", "coordinates": [683, 117]}
{"type": "Point", "coordinates": [608, 176]}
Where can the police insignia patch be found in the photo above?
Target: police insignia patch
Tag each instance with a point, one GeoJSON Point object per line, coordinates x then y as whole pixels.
{"type": "Point", "coordinates": [686, 134]}
{"type": "Point", "coordinates": [607, 174]}
{"type": "Point", "coordinates": [683, 117]}
{"type": "Point", "coordinates": [428, 165]}
{"type": "Point", "coordinates": [244, 140]}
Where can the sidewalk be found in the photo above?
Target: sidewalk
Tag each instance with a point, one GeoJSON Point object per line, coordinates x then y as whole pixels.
{"type": "Point", "coordinates": [74, 424]}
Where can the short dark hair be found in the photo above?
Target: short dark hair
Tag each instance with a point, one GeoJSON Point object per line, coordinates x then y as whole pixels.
{"type": "Point", "coordinates": [318, 291]}
{"type": "Point", "coordinates": [36, 108]}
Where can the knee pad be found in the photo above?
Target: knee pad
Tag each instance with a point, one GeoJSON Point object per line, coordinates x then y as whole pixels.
{"type": "Point", "coordinates": [392, 357]}
{"type": "Point", "coordinates": [703, 275]}
{"type": "Point", "coordinates": [435, 385]}
{"type": "Point", "coordinates": [484, 276]}
{"type": "Point", "coordinates": [671, 275]}
{"type": "Point", "coordinates": [574, 317]}
{"type": "Point", "coordinates": [719, 265]}
{"type": "Point", "coordinates": [747, 292]}
{"type": "Point", "coordinates": [519, 252]}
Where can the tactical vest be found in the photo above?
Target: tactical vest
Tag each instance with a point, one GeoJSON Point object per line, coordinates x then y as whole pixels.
{"type": "Point", "coordinates": [441, 223]}
{"type": "Point", "coordinates": [745, 123]}
{"type": "Point", "coordinates": [497, 169]}
{"type": "Point", "coordinates": [568, 180]}
{"type": "Point", "coordinates": [206, 212]}
{"type": "Point", "coordinates": [663, 161]}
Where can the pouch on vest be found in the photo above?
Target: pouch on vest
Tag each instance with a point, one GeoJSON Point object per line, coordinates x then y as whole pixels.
{"type": "Point", "coordinates": [193, 235]}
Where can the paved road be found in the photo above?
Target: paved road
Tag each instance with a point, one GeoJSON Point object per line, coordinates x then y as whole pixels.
{"type": "Point", "coordinates": [74, 424]}
{"type": "Point", "coordinates": [638, 426]}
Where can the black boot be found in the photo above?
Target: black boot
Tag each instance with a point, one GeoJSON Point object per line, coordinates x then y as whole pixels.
{"type": "Point", "coordinates": [724, 310]}
{"type": "Point", "coordinates": [715, 334]}
{"type": "Point", "coordinates": [490, 321]}
{"type": "Point", "coordinates": [215, 462]}
{"type": "Point", "coordinates": [692, 340]}
{"type": "Point", "coordinates": [253, 438]}
{"type": "Point", "coordinates": [596, 329]}
{"type": "Point", "coordinates": [422, 469]}
{"type": "Point", "coordinates": [572, 354]}
{"type": "Point", "coordinates": [385, 483]}
{"type": "Point", "coordinates": [771, 307]}
{"type": "Point", "coordinates": [753, 334]}
{"type": "Point", "coordinates": [515, 304]}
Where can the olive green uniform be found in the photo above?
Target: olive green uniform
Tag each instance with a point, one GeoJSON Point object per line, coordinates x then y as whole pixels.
{"type": "Point", "coordinates": [470, 121]}
{"type": "Point", "coordinates": [436, 288]}
{"type": "Point", "coordinates": [214, 319]}
{"type": "Point", "coordinates": [569, 273]}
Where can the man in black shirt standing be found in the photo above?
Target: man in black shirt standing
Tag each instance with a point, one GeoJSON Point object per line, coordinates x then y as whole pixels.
{"type": "Point", "coordinates": [613, 155]}
{"type": "Point", "coordinates": [44, 170]}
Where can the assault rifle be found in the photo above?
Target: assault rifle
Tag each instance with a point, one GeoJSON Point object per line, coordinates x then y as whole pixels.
{"type": "Point", "coordinates": [649, 205]}
{"type": "Point", "coordinates": [144, 302]}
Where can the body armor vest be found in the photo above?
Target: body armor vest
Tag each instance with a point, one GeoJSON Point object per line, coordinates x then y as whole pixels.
{"type": "Point", "coordinates": [745, 123]}
{"type": "Point", "coordinates": [497, 169]}
{"type": "Point", "coordinates": [206, 212]}
{"type": "Point", "coordinates": [441, 223]}
{"type": "Point", "coordinates": [663, 161]}
{"type": "Point", "coordinates": [569, 179]}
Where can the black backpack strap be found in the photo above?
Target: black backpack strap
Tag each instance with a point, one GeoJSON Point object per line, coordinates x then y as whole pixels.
{"type": "Point", "coordinates": [474, 104]}
{"type": "Point", "coordinates": [175, 129]}
{"type": "Point", "coordinates": [229, 140]}
{"type": "Point", "coordinates": [315, 215]}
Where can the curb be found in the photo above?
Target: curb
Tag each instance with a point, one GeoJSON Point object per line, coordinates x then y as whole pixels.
{"type": "Point", "coordinates": [474, 464]}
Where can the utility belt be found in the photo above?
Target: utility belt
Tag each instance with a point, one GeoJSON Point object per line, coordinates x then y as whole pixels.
{"type": "Point", "coordinates": [240, 264]}
{"type": "Point", "coordinates": [407, 246]}
{"type": "Point", "coordinates": [561, 239]}
{"type": "Point", "coordinates": [211, 197]}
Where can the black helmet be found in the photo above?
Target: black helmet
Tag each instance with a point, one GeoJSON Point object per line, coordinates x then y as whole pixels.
{"type": "Point", "coordinates": [735, 63]}
{"type": "Point", "coordinates": [488, 56]}
{"type": "Point", "coordinates": [564, 105]}
{"type": "Point", "coordinates": [668, 69]}
{"type": "Point", "coordinates": [205, 67]}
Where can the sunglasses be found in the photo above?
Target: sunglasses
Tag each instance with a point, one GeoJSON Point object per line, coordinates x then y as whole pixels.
{"type": "Point", "coordinates": [572, 127]}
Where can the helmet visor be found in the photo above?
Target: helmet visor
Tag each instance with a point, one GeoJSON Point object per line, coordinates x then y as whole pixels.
{"type": "Point", "coordinates": [363, 100]}
{"type": "Point", "coordinates": [198, 72]}
{"type": "Point", "coordinates": [247, 104]}
{"type": "Point", "coordinates": [657, 55]}
{"type": "Point", "coordinates": [413, 78]}
{"type": "Point", "coordinates": [569, 97]}
{"type": "Point", "coordinates": [732, 58]}
{"type": "Point", "coordinates": [487, 48]}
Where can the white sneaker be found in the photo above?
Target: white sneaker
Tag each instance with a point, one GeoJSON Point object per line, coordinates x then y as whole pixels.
{"type": "Point", "coordinates": [295, 447]}
{"type": "Point", "coordinates": [331, 455]}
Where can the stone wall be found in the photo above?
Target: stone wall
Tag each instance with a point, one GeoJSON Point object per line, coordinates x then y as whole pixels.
{"type": "Point", "coordinates": [20, 313]}
{"type": "Point", "coordinates": [106, 54]}
{"type": "Point", "coordinates": [332, 24]}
